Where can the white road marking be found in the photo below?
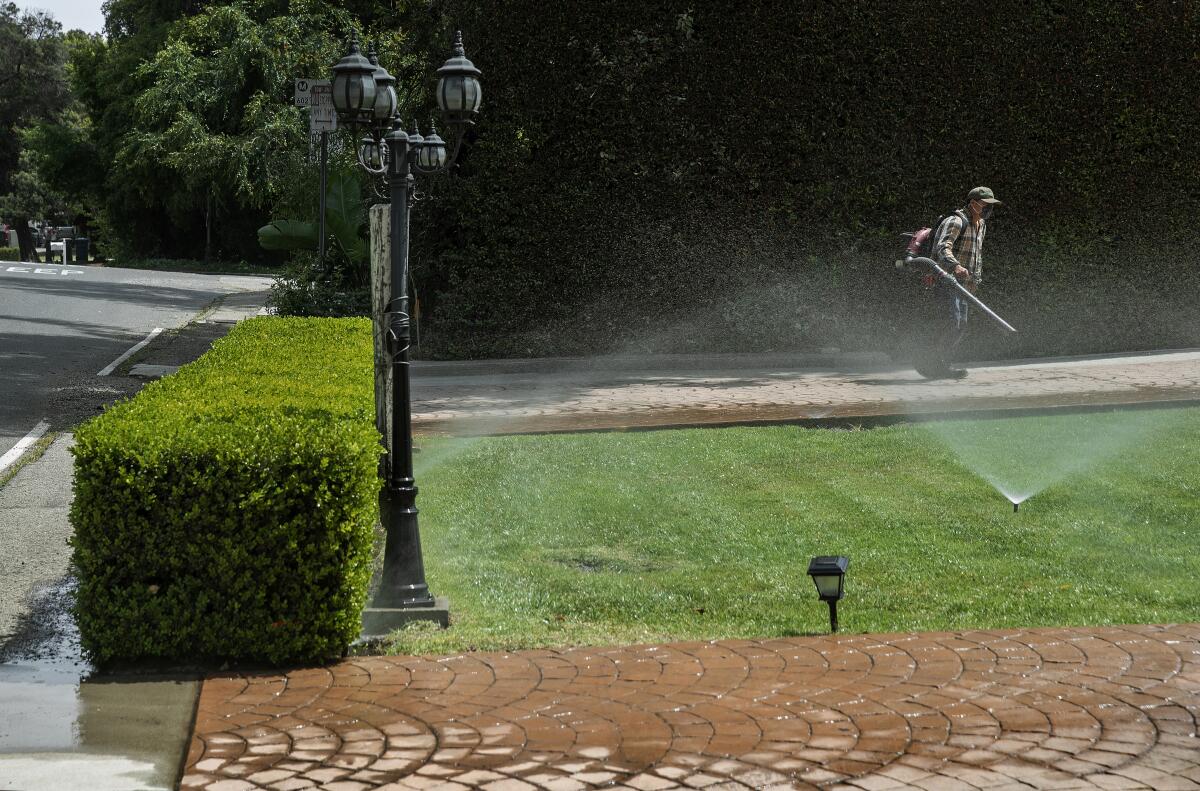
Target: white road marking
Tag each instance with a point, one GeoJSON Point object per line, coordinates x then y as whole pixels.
{"type": "Point", "coordinates": [44, 270]}
{"type": "Point", "coordinates": [18, 450]}
{"type": "Point", "coordinates": [108, 369]}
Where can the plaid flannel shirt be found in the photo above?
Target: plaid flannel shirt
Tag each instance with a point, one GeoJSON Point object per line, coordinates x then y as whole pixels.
{"type": "Point", "coordinates": [959, 243]}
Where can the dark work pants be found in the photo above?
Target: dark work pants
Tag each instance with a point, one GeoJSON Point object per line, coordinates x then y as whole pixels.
{"type": "Point", "coordinates": [946, 313]}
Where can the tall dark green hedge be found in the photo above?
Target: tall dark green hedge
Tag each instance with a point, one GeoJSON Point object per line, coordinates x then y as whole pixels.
{"type": "Point", "coordinates": [666, 175]}
{"type": "Point", "coordinates": [228, 511]}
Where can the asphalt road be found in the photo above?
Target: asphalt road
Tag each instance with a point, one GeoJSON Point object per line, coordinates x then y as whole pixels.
{"type": "Point", "coordinates": [61, 325]}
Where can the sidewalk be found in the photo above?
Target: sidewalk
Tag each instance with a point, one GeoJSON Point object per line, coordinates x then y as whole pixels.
{"type": "Point", "coordinates": [517, 396]}
{"type": "Point", "coordinates": [1087, 708]}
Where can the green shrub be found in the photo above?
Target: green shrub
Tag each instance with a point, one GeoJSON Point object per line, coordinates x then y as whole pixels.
{"type": "Point", "coordinates": [228, 511]}
{"type": "Point", "coordinates": [304, 288]}
{"type": "Point", "coordinates": [10, 254]}
{"type": "Point", "coordinates": [593, 210]}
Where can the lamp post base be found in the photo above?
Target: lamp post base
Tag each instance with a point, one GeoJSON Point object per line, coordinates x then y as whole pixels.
{"type": "Point", "coordinates": [379, 622]}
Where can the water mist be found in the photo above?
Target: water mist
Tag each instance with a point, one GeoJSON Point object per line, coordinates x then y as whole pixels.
{"type": "Point", "coordinates": [1021, 457]}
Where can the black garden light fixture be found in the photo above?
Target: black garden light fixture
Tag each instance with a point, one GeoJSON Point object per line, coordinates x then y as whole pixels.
{"type": "Point", "coordinates": [385, 95]}
{"type": "Point", "coordinates": [364, 96]}
{"type": "Point", "coordinates": [828, 573]}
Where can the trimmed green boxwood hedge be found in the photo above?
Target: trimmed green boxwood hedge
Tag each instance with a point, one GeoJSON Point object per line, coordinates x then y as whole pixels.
{"type": "Point", "coordinates": [228, 511]}
{"type": "Point", "coordinates": [10, 254]}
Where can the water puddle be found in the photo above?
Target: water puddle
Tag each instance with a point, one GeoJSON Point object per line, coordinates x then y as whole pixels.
{"type": "Point", "coordinates": [62, 725]}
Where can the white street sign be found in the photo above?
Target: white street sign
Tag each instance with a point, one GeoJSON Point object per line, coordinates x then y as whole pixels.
{"type": "Point", "coordinates": [306, 87]}
{"type": "Point", "coordinates": [321, 115]}
{"type": "Point", "coordinates": [321, 95]}
{"type": "Point", "coordinates": [322, 119]}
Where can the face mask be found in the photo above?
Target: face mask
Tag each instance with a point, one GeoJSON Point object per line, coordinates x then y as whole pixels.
{"type": "Point", "coordinates": [986, 211]}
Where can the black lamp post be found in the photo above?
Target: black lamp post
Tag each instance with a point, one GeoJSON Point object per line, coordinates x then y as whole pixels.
{"type": "Point", "coordinates": [364, 96]}
{"type": "Point", "coordinates": [829, 574]}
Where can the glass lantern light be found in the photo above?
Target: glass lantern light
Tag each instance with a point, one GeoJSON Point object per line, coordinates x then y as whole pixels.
{"type": "Point", "coordinates": [371, 154]}
{"type": "Point", "coordinates": [458, 92]}
{"type": "Point", "coordinates": [828, 573]}
{"type": "Point", "coordinates": [385, 95]}
{"type": "Point", "coordinates": [353, 85]}
{"type": "Point", "coordinates": [432, 153]}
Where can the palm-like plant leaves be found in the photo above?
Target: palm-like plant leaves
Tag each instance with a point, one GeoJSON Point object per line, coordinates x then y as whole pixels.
{"type": "Point", "coordinates": [345, 216]}
{"type": "Point", "coordinates": [288, 235]}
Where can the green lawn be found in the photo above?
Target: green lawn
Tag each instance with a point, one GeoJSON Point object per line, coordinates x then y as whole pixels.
{"type": "Point", "coordinates": [699, 534]}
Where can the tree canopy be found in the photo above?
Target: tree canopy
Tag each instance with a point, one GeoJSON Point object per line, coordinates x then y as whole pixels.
{"type": "Point", "coordinates": [193, 132]}
{"type": "Point", "coordinates": [32, 78]}
{"type": "Point", "coordinates": [33, 87]}
{"type": "Point", "coordinates": [733, 175]}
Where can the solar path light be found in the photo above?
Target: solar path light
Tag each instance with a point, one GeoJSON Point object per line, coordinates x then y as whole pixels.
{"type": "Point", "coordinates": [829, 573]}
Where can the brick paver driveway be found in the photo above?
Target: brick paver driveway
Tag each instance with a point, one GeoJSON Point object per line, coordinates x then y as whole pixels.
{"type": "Point", "coordinates": [1099, 708]}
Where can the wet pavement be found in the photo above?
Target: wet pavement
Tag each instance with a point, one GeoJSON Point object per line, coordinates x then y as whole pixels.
{"type": "Point", "coordinates": [1100, 708]}
{"type": "Point", "coordinates": [62, 725]}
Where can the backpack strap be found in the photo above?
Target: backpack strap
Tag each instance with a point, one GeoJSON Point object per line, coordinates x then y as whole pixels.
{"type": "Point", "coordinates": [938, 231]}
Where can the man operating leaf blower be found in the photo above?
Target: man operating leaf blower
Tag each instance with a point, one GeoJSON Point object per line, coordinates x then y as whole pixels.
{"type": "Point", "coordinates": [951, 257]}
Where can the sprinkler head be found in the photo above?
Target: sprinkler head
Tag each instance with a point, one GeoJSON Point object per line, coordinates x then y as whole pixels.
{"type": "Point", "coordinates": [1015, 507]}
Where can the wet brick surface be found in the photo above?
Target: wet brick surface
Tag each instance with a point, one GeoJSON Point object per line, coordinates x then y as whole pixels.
{"type": "Point", "coordinates": [1095, 708]}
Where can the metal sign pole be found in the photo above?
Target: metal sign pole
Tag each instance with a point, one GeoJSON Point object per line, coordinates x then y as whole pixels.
{"type": "Point", "coordinates": [317, 96]}
{"type": "Point", "coordinates": [321, 221]}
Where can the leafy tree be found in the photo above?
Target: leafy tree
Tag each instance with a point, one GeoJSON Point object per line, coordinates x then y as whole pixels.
{"type": "Point", "coordinates": [64, 156]}
{"type": "Point", "coordinates": [30, 196]}
{"type": "Point", "coordinates": [199, 138]}
{"type": "Point", "coordinates": [32, 86]}
{"type": "Point", "coordinates": [63, 147]}
{"type": "Point", "coordinates": [105, 78]}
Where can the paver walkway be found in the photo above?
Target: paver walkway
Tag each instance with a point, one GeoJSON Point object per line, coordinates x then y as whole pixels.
{"type": "Point", "coordinates": [510, 396]}
{"type": "Point", "coordinates": [1099, 708]}
{"type": "Point", "coordinates": [1102, 708]}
